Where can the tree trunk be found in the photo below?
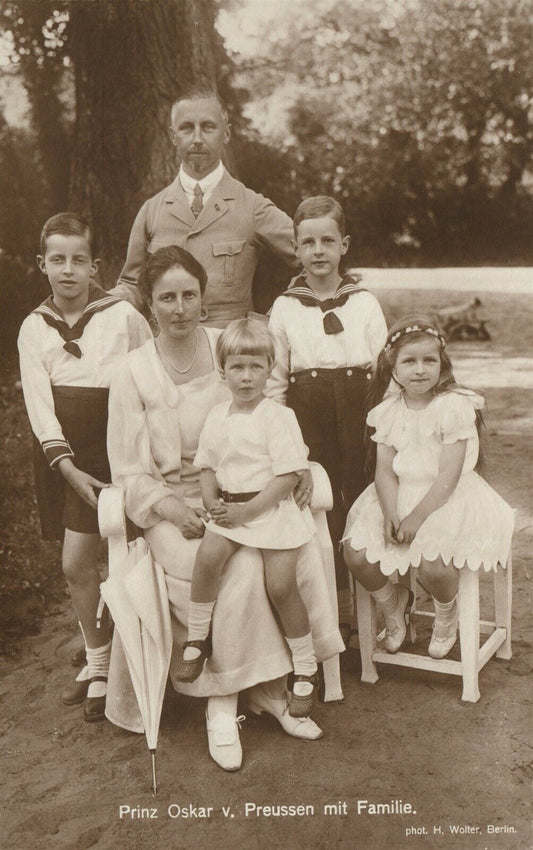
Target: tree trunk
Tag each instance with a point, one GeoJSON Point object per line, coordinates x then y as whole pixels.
{"type": "Point", "coordinates": [132, 59]}
{"type": "Point", "coordinates": [43, 74]}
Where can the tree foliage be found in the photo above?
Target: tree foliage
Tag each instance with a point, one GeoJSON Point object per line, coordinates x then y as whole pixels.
{"type": "Point", "coordinates": [416, 113]}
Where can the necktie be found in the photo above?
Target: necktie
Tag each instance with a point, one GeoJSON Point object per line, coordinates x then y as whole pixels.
{"type": "Point", "coordinates": [198, 203]}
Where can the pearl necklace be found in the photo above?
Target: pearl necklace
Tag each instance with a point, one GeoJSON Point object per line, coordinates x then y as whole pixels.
{"type": "Point", "coordinates": [175, 368]}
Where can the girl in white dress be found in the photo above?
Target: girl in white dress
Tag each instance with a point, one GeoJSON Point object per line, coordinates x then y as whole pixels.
{"type": "Point", "coordinates": [428, 507]}
{"type": "Point", "coordinates": [250, 454]}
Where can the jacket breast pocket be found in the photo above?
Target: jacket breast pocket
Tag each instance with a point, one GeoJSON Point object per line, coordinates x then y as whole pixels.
{"type": "Point", "coordinates": [228, 251]}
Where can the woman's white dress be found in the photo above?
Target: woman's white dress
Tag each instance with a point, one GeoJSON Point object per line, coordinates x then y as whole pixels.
{"type": "Point", "coordinates": [246, 451]}
{"type": "Point", "coordinates": [153, 433]}
{"type": "Point", "coordinates": [474, 527]}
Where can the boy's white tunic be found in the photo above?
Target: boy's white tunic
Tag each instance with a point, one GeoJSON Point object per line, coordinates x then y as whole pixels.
{"type": "Point", "coordinates": [246, 451]}
{"type": "Point", "coordinates": [154, 428]}
{"type": "Point", "coordinates": [302, 344]}
{"type": "Point", "coordinates": [44, 363]}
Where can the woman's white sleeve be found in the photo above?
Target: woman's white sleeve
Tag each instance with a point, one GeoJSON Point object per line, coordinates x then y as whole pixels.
{"type": "Point", "coordinates": [138, 329]}
{"type": "Point", "coordinates": [129, 449]}
{"type": "Point", "coordinates": [38, 397]}
{"type": "Point", "coordinates": [278, 381]}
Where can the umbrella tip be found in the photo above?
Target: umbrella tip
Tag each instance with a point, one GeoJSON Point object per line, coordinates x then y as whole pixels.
{"type": "Point", "coordinates": [154, 779]}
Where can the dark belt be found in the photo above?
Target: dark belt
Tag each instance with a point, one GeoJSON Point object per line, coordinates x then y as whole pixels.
{"type": "Point", "coordinates": [330, 374]}
{"type": "Point", "coordinates": [237, 497]}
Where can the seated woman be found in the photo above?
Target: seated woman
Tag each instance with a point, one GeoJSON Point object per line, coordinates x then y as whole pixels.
{"type": "Point", "coordinates": [158, 404]}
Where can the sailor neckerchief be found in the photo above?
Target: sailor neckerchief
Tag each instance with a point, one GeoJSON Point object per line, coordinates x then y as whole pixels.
{"type": "Point", "coordinates": [305, 295]}
{"type": "Point", "coordinates": [98, 300]}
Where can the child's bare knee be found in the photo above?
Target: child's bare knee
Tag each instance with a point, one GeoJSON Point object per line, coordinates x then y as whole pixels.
{"type": "Point", "coordinates": [355, 560]}
{"type": "Point", "coordinates": [279, 588]}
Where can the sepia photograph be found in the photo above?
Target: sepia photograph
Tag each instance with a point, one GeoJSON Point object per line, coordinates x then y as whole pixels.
{"type": "Point", "coordinates": [266, 383]}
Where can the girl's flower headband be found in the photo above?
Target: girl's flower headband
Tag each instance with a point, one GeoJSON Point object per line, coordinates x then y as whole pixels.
{"type": "Point", "coordinates": [411, 329]}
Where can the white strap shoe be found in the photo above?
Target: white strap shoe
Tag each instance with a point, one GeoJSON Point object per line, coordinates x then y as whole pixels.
{"type": "Point", "coordinates": [443, 638]}
{"type": "Point", "coordinates": [397, 622]}
{"type": "Point", "coordinates": [223, 739]}
{"type": "Point", "coordinates": [299, 727]}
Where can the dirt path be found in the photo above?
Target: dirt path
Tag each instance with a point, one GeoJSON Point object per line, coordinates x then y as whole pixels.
{"type": "Point", "coordinates": [408, 738]}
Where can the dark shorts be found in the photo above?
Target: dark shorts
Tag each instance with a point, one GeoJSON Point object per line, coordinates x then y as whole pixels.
{"type": "Point", "coordinates": [331, 408]}
{"type": "Point", "coordinates": [82, 412]}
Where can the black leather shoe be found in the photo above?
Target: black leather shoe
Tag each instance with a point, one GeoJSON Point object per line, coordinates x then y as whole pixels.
{"type": "Point", "coordinates": [75, 693]}
{"type": "Point", "coordinates": [188, 671]}
{"type": "Point", "coordinates": [94, 708]}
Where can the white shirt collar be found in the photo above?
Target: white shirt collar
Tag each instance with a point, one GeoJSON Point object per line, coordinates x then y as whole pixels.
{"type": "Point", "coordinates": [207, 183]}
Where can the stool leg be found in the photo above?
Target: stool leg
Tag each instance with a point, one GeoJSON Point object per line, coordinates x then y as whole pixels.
{"type": "Point", "coordinates": [468, 599]}
{"type": "Point", "coordinates": [503, 594]}
{"type": "Point", "coordinates": [332, 680]}
{"type": "Point", "coordinates": [409, 581]}
{"type": "Point", "coordinates": [367, 627]}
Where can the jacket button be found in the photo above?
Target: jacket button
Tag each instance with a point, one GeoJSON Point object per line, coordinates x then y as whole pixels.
{"type": "Point", "coordinates": [368, 376]}
{"type": "Point", "coordinates": [349, 372]}
{"type": "Point", "coordinates": [292, 379]}
{"type": "Point", "coordinates": [313, 374]}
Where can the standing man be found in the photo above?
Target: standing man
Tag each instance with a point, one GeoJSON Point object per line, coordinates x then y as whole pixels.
{"type": "Point", "coordinates": [221, 222]}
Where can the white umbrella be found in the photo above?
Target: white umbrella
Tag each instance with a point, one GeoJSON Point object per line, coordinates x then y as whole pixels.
{"type": "Point", "coordinates": [137, 598]}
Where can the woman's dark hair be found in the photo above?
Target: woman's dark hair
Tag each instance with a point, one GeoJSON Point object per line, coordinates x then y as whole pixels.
{"type": "Point", "coordinates": [408, 329]}
{"type": "Point", "coordinates": [167, 258]}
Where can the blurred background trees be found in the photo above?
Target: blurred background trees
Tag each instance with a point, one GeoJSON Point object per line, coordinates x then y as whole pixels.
{"type": "Point", "coordinates": [416, 114]}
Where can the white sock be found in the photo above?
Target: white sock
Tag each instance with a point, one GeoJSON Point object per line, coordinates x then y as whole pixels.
{"type": "Point", "coordinates": [446, 612]}
{"type": "Point", "coordinates": [98, 665]}
{"type": "Point", "coordinates": [200, 615]}
{"type": "Point", "coordinates": [345, 605]}
{"type": "Point", "coordinates": [303, 661]}
{"type": "Point", "coordinates": [386, 597]}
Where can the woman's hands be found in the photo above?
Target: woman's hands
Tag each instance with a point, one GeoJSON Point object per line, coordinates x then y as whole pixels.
{"type": "Point", "coordinates": [188, 520]}
{"type": "Point", "coordinates": [81, 482]}
{"type": "Point", "coordinates": [303, 492]}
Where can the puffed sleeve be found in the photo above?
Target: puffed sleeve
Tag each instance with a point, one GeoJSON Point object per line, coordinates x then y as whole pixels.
{"type": "Point", "coordinates": [385, 419]}
{"type": "Point", "coordinates": [38, 397]}
{"type": "Point", "coordinates": [286, 446]}
{"type": "Point", "coordinates": [128, 445]}
{"type": "Point", "coordinates": [206, 454]}
{"type": "Point", "coordinates": [457, 415]}
{"type": "Point", "coordinates": [278, 381]}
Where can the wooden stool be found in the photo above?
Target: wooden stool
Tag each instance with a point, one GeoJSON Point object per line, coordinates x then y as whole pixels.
{"type": "Point", "coordinates": [473, 656]}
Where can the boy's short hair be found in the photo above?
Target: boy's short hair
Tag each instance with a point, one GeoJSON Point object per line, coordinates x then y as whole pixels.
{"type": "Point", "coordinates": [67, 224]}
{"type": "Point", "coordinates": [199, 92]}
{"type": "Point", "coordinates": [245, 336]}
{"type": "Point", "coordinates": [317, 207]}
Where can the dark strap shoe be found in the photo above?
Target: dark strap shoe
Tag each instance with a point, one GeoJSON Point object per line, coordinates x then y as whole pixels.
{"type": "Point", "coordinates": [75, 693]}
{"type": "Point", "coordinates": [301, 706]}
{"type": "Point", "coordinates": [94, 708]}
{"type": "Point", "coordinates": [188, 671]}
